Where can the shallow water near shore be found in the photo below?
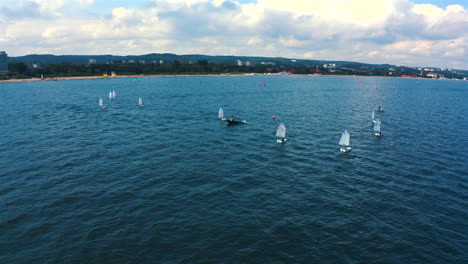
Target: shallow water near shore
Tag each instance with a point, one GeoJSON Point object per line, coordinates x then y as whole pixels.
{"type": "Point", "coordinates": [171, 183]}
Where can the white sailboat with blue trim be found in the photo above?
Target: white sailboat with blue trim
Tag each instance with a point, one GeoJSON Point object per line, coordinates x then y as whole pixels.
{"type": "Point", "coordinates": [101, 103]}
{"type": "Point", "coordinates": [377, 128]}
{"type": "Point", "coordinates": [221, 114]}
{"type": "Point", "coordinates": [281, 132]}
{"type": "Point", "coordinates": [344, 142]}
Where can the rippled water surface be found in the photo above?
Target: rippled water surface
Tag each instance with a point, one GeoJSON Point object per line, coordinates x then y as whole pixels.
{"type": "Point", "coordinates": [170, 183]}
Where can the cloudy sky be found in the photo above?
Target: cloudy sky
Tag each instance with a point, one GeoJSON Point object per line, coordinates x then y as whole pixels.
{"type": "Point", "coordinates": [401, 32]}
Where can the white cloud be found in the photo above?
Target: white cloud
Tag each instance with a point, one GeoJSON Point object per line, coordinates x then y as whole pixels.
{"type": "Point", "coordinates": [377, 31]}
{"type": "Point", "coordinates": [50, 4]}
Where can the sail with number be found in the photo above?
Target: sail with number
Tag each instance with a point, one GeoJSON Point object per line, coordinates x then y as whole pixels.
{"type": "Point", "coordinates": [140, 101]}
{"type": "Point", "coordinates": [281, 131]}
{"type": "Point", "coordinates": [344, 141]}
{"type": "Point", "coordinates": [377, 125]}
{"type": "Point", "coordinates": [101, 103]}
{"type": "Point", "coordinates": [220, 113]}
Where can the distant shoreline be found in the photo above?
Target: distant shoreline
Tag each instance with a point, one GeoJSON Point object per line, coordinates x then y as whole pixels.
{"type": "Point", "coordinates": [201, 75]}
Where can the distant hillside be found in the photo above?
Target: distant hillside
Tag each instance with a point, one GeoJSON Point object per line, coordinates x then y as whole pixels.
{"type": "Point", "coordinates": [47, 59]}
{"type": "Point", "coordinates": [347, 67]}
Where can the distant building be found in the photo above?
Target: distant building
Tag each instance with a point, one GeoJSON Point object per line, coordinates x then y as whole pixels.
{"type": "Point", "coordinates": [161, 62]}
{"type": "Point", "coordinates": [91, 61]}
{"type": "Point", "coordinates": [239, 63]}
{"type": "Point", "coordinates": [3, 63]}
{"type": "Point", "coordinates": [247, 63]}
{"type": "Point", "coordinates": [434, 75]}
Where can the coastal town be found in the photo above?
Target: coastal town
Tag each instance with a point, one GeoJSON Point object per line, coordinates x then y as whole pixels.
{"type": "Point", "coordinates": [50, 66]}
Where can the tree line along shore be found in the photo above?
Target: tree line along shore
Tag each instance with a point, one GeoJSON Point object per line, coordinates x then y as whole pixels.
{"type": "Point", "coordinates": [202, 67]}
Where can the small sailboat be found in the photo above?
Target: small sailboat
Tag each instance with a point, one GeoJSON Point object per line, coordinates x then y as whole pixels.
{"type": "Point", "coordinates": [114, 95]}
{"type": "Point", "coordinates": [281, 132]}
{"type": "Point", "coordinates": [221, 114]}
{"type": "Point", "coordinates": [140, 102]}
{"type": "Point", "coordinates": [101, 103]}
{"type": "Point", "coordinates": [110, 95]}
{"type": "Point", "coordinates": [380, 109]}
{"type": "Point", "coordinates": [377, 129]}
{"type": "Point", "coordinates": [344, 142]}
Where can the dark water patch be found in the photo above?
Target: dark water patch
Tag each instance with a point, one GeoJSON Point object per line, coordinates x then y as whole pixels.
{"type": "Point", "coordinates": [171, 183]}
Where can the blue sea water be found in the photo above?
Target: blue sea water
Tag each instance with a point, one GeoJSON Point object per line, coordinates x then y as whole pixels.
{"type": "Point", "coordinates": [171, 183]}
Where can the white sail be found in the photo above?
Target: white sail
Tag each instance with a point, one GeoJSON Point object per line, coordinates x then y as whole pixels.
{"type": "Point", "coordinates": [281, 132]}
{"type": "Point", "coordinates": [377, 125]}
{"type": "Point", "coordinates": [140, 101]}
{"type": "Point", "coordinates": [373, 115]}
{"type": "Point", "coordinates": [110, 95]}
{"type": "Point", "coordinates": [344, 141]}
{"type": "Point", "coordinates": [101, 103]}
{"type": "Point", "coordinates": [220, 112]}
{"type": "Point", "coordinates": [114, 95]}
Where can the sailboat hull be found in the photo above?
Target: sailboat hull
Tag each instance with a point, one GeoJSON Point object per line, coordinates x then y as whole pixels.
{"type": "Point", "coordinates": [281, 141]}
{"type": "Point", "coordinates": [378, 134]}
{"type": "Point", "coordinates": [345, 149]}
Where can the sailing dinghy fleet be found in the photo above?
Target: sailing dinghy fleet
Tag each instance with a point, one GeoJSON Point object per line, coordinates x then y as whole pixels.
{"type": "Point", "coordinates": [344, 142]}
{"type": "Point", "coordinates": [112, 96]}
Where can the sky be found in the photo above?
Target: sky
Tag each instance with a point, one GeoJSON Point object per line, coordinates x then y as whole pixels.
{"type": "Point", "coordinates": [402, 32]}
